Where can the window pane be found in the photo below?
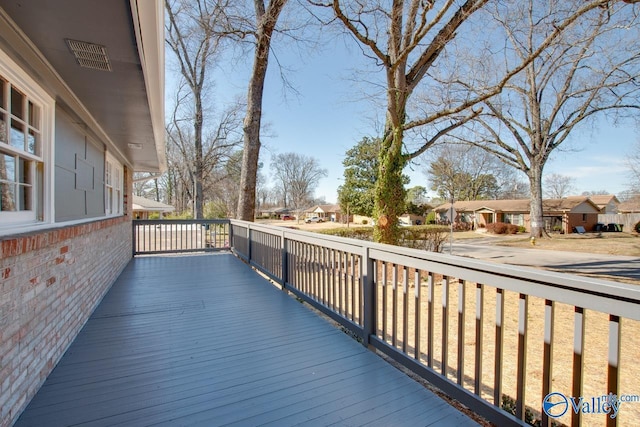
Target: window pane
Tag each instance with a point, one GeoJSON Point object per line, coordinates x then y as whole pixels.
{"type": "Point", "coordinates": [17, 135]}
{"type": "Point", "coordinates": [24, 196]}
{"type": "Point", "coordinates": [7, 197]}
{"type": "Point", "coordinates": [33, 143]}
{"type": "Point", "coordinates": [7, 168]}
{"type": "Point", "coordinates": [34, 116]}
{"type": "Point", "coordinates": [17, 103]}
{"type": "Point", "coordinates": [109, 196]}
{"type": "Point", "coordinates": [3, 88]}
{"type": "Point", "coordinates": [24, 171]}
{"type": "Point", "coordinates": [3, 128]}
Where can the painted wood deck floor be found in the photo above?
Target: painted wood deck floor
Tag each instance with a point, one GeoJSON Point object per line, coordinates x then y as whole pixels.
{"type": "Point", "coordinates": [204, 340]}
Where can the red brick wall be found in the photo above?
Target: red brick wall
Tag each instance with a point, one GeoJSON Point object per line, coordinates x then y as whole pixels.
{"type": "Point", "coordinates": [50, 283]}
{"type": "Point", "coordinates": [575, 219]}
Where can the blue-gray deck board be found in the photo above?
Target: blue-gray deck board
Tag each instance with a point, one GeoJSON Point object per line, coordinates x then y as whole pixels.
{"type": "Point", "coordinates": [204, 340]}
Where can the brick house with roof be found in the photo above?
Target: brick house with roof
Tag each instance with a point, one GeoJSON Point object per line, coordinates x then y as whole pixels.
{"type": "Point", "coordinates": [559, 214]}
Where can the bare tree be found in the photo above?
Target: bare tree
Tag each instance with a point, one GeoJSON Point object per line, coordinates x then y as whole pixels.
{"type": "Point", "coordinates": [407, 38]}
{"type": "Point", "coordinates": [591, 69]}
{"type": "Point", "coordinates": [633, 160]}
{"type": "Point", "coordinates": [557, 186]}
{"type": "Point", "coordinates": [297, 177]}
{"type": "Point", "coordinates": [146, 184]}
{"type": "Point", "coordinates": [195, 30]}
{"type": "Point", "coordinates": [195, 166]}
{"type": "Point", "coordinates": [266, 18]}
{"type": "Point", "coordinates": [463, 172]}
{"type": "Point", "coordinates": [514, 189]}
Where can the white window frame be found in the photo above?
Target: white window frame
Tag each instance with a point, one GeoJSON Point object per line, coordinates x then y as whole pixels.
{"type": "Point", "coordinates": [42, 179]}
{"type": "Point", "coordinates": [113, 186]}
{"type": "Point", "coordinates": [509, 218]}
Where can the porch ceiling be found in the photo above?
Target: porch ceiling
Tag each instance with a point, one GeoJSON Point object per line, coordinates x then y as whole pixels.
{"type": "Point", "coordinates": [125, 105]}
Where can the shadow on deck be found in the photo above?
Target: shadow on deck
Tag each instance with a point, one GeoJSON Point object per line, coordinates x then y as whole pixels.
{"type": "Point", "coordinates": [204, 340]}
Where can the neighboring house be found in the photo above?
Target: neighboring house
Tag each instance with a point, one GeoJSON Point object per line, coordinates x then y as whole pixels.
{"type": "Point", "coordinates": [142, 207]}
{"type": "Point", "coordinates": [277, 213]}
{"type": "Point", "coordinates": [558, 214]}
{"type": "Point", "coordinates": [629, 207]}
{"type": "Point", "coordinates": [607, 203]}
{"type": "Point", "coordinates": [411, 219]}
{"type": "Point", "coordinates": [81, 109]}
{"type": "Point", "coordinates": [362, 219]}
{"type": "Point", "coordinates": [326, 212]}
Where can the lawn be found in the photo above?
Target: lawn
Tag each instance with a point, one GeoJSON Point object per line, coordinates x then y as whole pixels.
{"type": "Point", "coordinates": [597, 243]}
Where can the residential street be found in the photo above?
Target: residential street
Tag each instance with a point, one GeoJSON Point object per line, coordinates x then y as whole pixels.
{"type": "Point", "coordinates": [574, 262]}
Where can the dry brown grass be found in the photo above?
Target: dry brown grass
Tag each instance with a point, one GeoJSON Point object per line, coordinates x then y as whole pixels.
{"type": "Point", "coordinates": [596, 335]}
{"type": "Point", "coordinates": [605, 243]}
{"type": "Point", "coordinates": [595, 358]}
{"type": "Point", "coordinates": [328, 286]}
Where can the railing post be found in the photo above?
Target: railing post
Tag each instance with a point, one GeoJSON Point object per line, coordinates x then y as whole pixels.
{"type": "Point", "coordinates": [133, 238]}
{"type": "Point", "coordinates": [369, 298]}
{"type": "Point", "coordinates": [249, 242]}
{"type": "Point", "coordinates": [521, 380]}
{"type": "Point", "coordinates": [578, 360]}
{"type": "Point", "coordinates": [613, 371]}
{"type": "Point", "coordinates": [284, 248]}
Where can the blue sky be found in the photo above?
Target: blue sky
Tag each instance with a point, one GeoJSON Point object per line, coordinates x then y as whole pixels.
{"type": "Point", "coordinates": [328, 115]}
{"type": "Point", "coordinates": [324, 122]}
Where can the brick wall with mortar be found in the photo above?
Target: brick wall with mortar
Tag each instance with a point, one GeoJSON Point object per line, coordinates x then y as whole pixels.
{"type": "Point", "coordinates": [50, 283]}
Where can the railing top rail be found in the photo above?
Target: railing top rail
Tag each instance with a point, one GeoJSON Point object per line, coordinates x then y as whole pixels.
{"type": "Point", "coordinates": [333, 242]}
{"type": "Point", "coordinates": [602, 295]}
{"type": "Point", "coordinates": [181, 221]}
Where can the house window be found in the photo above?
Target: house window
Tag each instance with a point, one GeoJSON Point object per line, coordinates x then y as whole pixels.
{"type": "Point", "coordinates": [25, 120]}
{"type": "Point", "coordinates": [515, 219]}
{"type": "Point", "coordinates": [113, 179]}
{"type": "Point", "coordinates": [584, 217]}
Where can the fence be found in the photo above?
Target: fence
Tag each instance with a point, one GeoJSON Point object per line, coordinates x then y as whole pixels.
{"type": "Point", "coordinates": [500, 339]}
{"type": "Point", "coordinates": [627, 220]}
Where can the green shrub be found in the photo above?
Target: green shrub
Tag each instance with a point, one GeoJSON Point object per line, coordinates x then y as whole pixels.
{"type": "Point", "coordinates": [509, 405]}
{"type": "Point", "coordinates": [637, 227]}
{"type": "Point", "coordinates": [353, 233]}
{"type": "Point", "coordinates": [431, 218]}
{"type": "Point", "coordinates": [426, 237]}
{"type": "Point", "coordinates": [180, 215]}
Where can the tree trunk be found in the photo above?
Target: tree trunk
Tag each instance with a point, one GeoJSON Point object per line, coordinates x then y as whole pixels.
{"type": "Point", "coordinates": [252, 123]}
{"type": "Point", "coordinates": [198, 166]}
{"type": "Point", "coordinates": [266, 23]}
{"type": "Point", "coordinates": [536, 212]}
{"type": "Point", "coordinates": [389, 200]}
{"type": "Point", "coordinates": [389, 190]}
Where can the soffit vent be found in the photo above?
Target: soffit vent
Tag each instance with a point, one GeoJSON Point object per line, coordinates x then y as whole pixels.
{"type": "Point", "coordinates": [90, 55]}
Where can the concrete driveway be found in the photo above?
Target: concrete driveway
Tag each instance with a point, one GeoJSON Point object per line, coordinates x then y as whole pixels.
{"type": "Point", "coordinates": [573, 262]}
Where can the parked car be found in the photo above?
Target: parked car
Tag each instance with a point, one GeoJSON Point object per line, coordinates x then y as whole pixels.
{"type": "Point", "coordinates": [313, 219]}
{"type": "Point", "coordinates": [287, 218]}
